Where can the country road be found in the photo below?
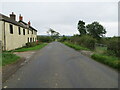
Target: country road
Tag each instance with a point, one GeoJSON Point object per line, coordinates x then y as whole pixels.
{"type": "Point", "coordinates": [58, 66]}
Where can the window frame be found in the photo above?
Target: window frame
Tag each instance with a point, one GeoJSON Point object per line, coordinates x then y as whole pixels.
{"type": "Point", "coordinates": [28, 31]}
{"type": "Point", "coordinates": [11, 28]}
{"type": "Point", "coordinates": [23, 31]}
{"type": "Point", "coordinates": [19, 31]}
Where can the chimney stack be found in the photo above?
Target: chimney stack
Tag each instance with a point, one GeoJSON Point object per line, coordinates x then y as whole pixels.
{"type": "Point", "coordinates": [20, 18]}
{"type": "Point", "coordinates": [29, 23]}
{"type": "Point", "coordinates": [13, 16]}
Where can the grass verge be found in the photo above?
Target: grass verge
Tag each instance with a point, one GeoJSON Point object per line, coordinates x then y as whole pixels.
{"type": "Point", "coordinates": [30, 48]}
{"type": "Point", "coordinates": [108, 60]}
{"type": "Point", "coordinates": [111, 61]}
{"type": "Point", "coordinates": [9, 58]}
{"type": "Point", "coordinates": [75, 46]}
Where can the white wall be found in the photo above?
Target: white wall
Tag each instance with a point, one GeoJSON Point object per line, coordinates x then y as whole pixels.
{"type": "Point", "coordinates": [15, 40]}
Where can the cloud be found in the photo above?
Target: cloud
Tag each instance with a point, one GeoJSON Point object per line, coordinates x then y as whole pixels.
{"type": "Point", "coordinates": [64, 16]}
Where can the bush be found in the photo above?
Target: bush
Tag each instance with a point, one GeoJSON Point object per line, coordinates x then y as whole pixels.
{"type": "Point", "coordinates": [44, 39]}
{"type": "Point", "coordinates": [75, 39]}
{"type": "Point", "coordinates": [114, 46]}
{"type": "Point", "coordinates": [31, 44]}
{"type": "Point", "coordinates": [88, 41]}
{"type": "Point", "coordinates": [63, 39]}
{"type": "Point", "coordinates": [85, 41]}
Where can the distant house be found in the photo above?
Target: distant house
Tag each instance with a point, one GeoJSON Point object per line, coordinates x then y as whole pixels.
{"type": "Point", "coordinates": [15, 34]}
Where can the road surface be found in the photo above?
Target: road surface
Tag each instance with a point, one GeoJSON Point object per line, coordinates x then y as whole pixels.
{"type": "Point", "coordinates": [58, 66]}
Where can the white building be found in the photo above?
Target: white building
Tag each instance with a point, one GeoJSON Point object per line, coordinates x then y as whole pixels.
{"type": "Point", "coordinates": [15, 34]}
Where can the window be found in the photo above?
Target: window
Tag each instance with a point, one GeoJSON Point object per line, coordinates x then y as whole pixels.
{"type": "Point", "coordinates": [28, 31]}
{"type": "Point", "coordinates": [33, 39]}
{"type": "Point", "coordinates": [19, 30]}
{"type": "Point", "coordinates": [11, 29]}
{"type": "Point", "coordinates": [32, 31]}
{"type": "Point", "coordinates": [23, 31]}
{"type": "Point", "coordinates": [28, 40]}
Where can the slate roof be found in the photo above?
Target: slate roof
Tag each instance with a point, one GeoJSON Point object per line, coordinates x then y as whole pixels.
{"type": "Point", "coordinates": [24, 23]}
{"type": "Point", "coordinates": [7, 19]}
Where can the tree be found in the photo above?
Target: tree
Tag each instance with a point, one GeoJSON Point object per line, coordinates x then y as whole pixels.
{"type": "Point", "coordinates": [53, 33]}
{"type": "Point", "coordinates": [96, 30]}
{"type": "Point", "coordinates": [81, 28]}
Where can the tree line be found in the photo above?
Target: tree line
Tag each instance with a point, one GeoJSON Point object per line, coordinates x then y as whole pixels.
{"type": "Point", "coordinates": [96, 30]}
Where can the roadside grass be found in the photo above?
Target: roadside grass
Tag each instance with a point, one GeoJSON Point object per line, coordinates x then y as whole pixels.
{"type": "Point", "coordinates": [75, 46]}
{"type": "Point", "coordinates": [111, 61]}
{"type": "Point", "coordinates": [99, 55]}
{"type": "Point", "coordinates": [9, 58]}
{"type": "Point", "coordinates": [30, 48]}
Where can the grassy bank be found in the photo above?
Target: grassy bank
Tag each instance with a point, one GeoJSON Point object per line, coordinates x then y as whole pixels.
{"type": "Point", "coordinates": [75, 46]}
{"type": "Point", "coordinates": [9, 58]}
{"type": "Point", "coordinates": [30, 48]}
{"type": "Point", "coordinates": [99, 55]}
{"type": "Point", "coordinates": [108, 60]}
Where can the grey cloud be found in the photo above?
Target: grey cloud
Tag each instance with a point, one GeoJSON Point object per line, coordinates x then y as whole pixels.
{"type": "Point", "coordinates": [65, 15]}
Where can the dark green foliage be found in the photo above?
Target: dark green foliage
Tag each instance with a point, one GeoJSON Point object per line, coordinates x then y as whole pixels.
{"type": "Point", "coordinates": [63, 39]}
{"type": "Point", "coordinates": [31, 44]}
{"type": "Point", "coordinates": [75, 39]}
{"type": "Point", "coordinates": [108, 60]}
{"type": "Point", "coordinates": [96, 30]}
{"type": "Point", "coordinates": [114, 46]}
{"type": "Point", "coordinates": [85, 41]}
{"type": "Point", "coordinates": [44, 39]}
{"type": "Point", "coordinates": [81, 28]}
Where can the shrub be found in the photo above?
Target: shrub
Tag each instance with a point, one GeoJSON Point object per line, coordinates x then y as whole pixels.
{"type": "Point", "coordinates": [63, 39]}
{"type": "Point", "coordinates": [114, 46]}
{"type": "Point", "coordinates": [87, 41]}
{"type": "Point", "coordinates": [31, 44]}
{"type": "Point", "coordinates": [44, 39]}
{"type": "Point", "coordinates": [75, 39]}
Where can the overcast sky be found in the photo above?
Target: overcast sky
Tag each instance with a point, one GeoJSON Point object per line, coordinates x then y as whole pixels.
{"type": "Point", "coordinates": [64, 16]}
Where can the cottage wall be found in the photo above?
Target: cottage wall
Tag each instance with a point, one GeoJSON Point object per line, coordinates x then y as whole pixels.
{"type": "Point", "coordinates": [15, 40]}
{"type": "Point", "coordinates": [2, 34]}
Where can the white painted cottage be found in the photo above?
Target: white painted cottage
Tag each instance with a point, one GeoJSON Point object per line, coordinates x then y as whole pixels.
{"type": "Point", "coordinates": [15, 34]}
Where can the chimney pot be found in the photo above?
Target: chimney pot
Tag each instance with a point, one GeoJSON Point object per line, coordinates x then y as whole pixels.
{"type": "Point", "coordinates": [29, 23]}
{"type": "Point", "coordinates": [13, 16]}
{"type": "Point", "coordinates": [20, 18]}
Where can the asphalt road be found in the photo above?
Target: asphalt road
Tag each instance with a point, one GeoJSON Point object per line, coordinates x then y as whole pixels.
{"type": "Point", "coordinates": [58, 66]}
